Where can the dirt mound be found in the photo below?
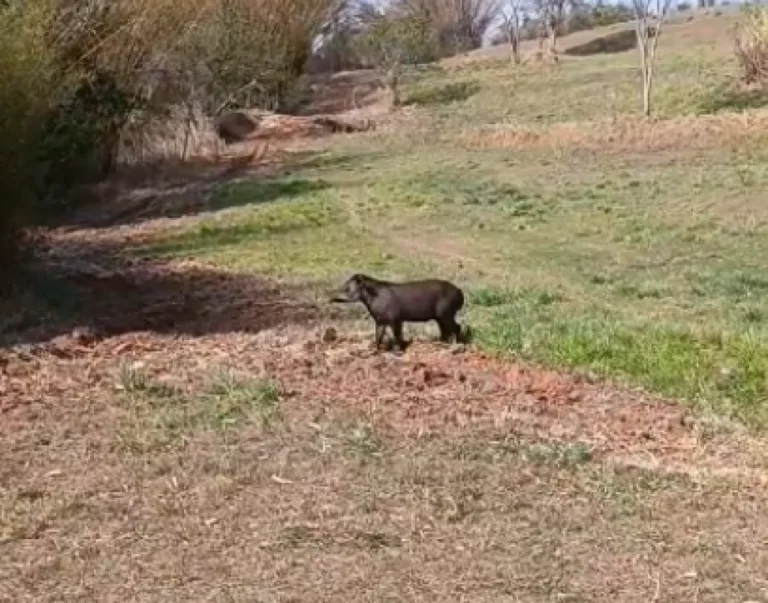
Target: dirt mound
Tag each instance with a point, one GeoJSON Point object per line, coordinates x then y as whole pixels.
{"type": "Point", "coordinates": [619, 41]}
{"type": "Point", "coordinates": [236, 127]}
{"type": "Point", "coordinates": [437, 389]}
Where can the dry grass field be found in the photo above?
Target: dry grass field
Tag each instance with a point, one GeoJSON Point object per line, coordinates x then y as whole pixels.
{"type": "Point", "coordinates": [184, 416]}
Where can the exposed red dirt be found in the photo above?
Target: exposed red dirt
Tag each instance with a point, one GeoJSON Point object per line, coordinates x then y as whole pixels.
{"type": "Point", "coordinates": [431, 389]}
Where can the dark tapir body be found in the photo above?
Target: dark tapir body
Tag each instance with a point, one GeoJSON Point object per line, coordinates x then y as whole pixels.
{"type": "Point", "coordinates": [392, 304]}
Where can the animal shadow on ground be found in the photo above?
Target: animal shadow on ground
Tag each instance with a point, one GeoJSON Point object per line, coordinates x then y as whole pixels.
{"type": "Point", "coordinates": [103, 293]}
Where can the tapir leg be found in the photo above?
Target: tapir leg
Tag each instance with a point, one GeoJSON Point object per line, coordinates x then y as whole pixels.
{"type": "Point", "coordinates": [397, 331]}
{"type": "Point", "coordinates": [456, 330]}
{"type": "Point", "coordinates": [445, 329]}
{"type": "Point", "coordinates": [449, 328]}
{"type": "Point", "coordinates": [380, 329]}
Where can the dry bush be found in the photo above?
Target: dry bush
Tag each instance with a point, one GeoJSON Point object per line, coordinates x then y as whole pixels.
{"type": "Point", "coordinates": [458, 25]}
{"type": "Point", "coordinates": [751, 45]}
{"type": "Point", "coordinates": [81, 78]}
{"type": "Point", "coordinates": [190, 59]}
{"type": "Point", "coordinates": [26, 70]}
{"type": "Point", "coordinates": [630, 134]}
{"type": "Point", "coordinates": [179, 133]}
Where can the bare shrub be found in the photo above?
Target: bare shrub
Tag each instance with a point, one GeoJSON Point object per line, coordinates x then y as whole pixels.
{"type": "Point", "coordinates": [751, 45]}
{"type": "Point", "coordinates": [26, 71]}
{"type": "Point", "coordinates": [512, 16]}
{"type": "Point", "coordinates": [389, 41]}
{"type": "Point", "coordinates": [458, 25]}
{"type": "Point", "coordinates": [550, 22]}
{"type": "Point", "coordinates": [181, 132]}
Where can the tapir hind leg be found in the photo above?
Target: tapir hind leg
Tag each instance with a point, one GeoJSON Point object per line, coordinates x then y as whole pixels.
{"type": "Point", "coordinates": [397, 331]}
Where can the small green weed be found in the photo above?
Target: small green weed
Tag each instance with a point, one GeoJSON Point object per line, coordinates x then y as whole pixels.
{"type": "Point", "coordinates": [558, 454]}
{"type": "Point", "coordinates": [159, 414]}
{"type": "Point", "coordinates": [452, 92]}
{"type": "Point", "coordinates": [231, 401]}
{"type": "Point", "coordinates": [134, 382]}
{"type": "Point", "coordinates": [362, 441]}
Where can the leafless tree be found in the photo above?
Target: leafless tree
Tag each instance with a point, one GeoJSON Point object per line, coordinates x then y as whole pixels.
{"type": "Point", "coordinates": [540, 11]}
{"type": "Point", "coordinates": [557, 9]}
{"type": "Point", "coordinates": [550, 15]}
{"type": "Point", "coordinates": [390, 40]}
{"type": "Point", "coordinates": [458, 24]}
{"type": "Point", "coordinates": [650, 16]}
{"type": "Point", "coordinates": [512, 15]}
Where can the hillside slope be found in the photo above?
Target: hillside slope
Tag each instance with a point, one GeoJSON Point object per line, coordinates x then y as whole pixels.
{"type": "Point", "coordinates": [185, 416]}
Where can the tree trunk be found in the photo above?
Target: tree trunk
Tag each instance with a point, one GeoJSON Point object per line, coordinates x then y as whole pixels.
{"type": "Point", "coordinates": [647, 83]}
{"type": "Point", "coordinates": [392, 82]}
{"type": "Point", "coordinates": [645, 65]}
{"type": "Point", "coordinates": [513, 35]}
{"type": "Point", "coordinates": [553, 41]}
{"type": "Point", "coordinates": [516, 50]}
{"type": "Point", "coordinates": [552, 30]}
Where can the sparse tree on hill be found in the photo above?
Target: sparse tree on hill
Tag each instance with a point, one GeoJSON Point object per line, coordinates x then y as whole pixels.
{"type": "Point", "coordinates": [650, 15]}
{"type": "Point", "coordinates": [512, 15]}
{"type": "Point", "coordinates": [556, 14]}
{"type": "Point", "coordinates": [540, 10]}
{"type": "Point", "coordinates": [458, 25]}
{"type": "Point", "coordinates": [389, 41]}
{"type": "Point", "coordinates": [550, 16]}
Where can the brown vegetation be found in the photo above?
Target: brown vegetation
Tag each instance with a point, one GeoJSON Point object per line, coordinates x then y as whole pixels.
{"type": "Point", "coordinates": [175, 429]}
{"type": "Point", "coordinates": [629, 134]}
{"type": "Point", "coordinates": [751, 47]}
{"type": "Point", "coordinates": [89, 84]}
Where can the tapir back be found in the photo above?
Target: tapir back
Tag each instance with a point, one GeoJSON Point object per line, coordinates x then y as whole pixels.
{"type": "Point", "coordinates": [418, 301]}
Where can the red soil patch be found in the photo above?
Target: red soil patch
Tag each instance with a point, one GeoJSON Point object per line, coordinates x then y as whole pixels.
{"type": "Point", "coordinates": [429, 390]}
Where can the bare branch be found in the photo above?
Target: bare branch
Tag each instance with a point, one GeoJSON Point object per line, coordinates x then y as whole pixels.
{"type": "Point", "coordinates": [512, 16]}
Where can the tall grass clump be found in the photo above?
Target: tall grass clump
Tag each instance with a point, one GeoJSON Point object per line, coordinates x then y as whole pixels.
{"type": "Point", "coordinates": [26, 72]}
{"type": "Point", "coordinates": [751, 45]}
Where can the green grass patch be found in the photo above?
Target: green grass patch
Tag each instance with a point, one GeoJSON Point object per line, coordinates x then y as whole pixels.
{"type": "Point", "coordinates": [715, 370]}
{"type": "Point", "coordinates": [442, 94]}
{"type": "Point", "coordinates": [159, 414]}
{"type": "Point", "coordinates": [257, 191]}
